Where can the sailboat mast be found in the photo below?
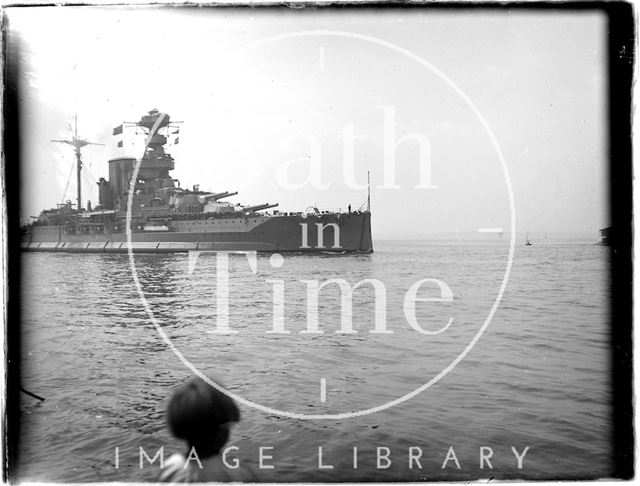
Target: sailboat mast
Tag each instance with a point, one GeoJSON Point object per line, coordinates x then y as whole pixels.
{"type": "Point", "coordinates": [368, 193]}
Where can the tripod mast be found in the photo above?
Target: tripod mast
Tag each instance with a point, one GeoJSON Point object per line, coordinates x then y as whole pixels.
{"type": "Point", "coordinates": [77, 144]}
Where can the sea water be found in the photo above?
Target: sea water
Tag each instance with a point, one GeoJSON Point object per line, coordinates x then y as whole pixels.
{"type": "Point", "coordinates": [535, 384]}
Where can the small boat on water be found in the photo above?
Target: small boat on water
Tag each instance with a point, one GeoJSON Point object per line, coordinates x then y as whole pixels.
{"type": "Point", "coordinates": [605, 236]}
{"type": "Point", "coordinates": [526, 240]}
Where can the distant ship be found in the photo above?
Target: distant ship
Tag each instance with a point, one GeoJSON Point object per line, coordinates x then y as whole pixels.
{"type": "Point", "coordinates": [166, 218]}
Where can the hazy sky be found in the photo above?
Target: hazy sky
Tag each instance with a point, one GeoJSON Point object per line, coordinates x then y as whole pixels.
{"type": "Point", "coordinates": [255, 116]}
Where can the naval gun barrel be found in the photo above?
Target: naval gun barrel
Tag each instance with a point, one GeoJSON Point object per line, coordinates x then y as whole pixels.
{"type": "Point", "coordinates": [259, 207]}
{"type": "Point", "coordinates": [219, 195]}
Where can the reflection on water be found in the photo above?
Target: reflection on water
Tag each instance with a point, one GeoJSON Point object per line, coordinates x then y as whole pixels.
{"type": "Point", "coordinates": [537, 378]}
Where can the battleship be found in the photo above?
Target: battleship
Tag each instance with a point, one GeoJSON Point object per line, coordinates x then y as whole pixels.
{"type": "Point", "coordinates": [166, 218]}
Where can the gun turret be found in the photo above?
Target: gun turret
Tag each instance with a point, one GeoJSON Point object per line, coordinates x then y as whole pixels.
{"type": "Point", "coordinates": [259, 207]}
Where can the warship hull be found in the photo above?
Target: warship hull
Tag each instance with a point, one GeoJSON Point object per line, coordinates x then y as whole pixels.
{"type": "Point", "coordinates": [335, 233]}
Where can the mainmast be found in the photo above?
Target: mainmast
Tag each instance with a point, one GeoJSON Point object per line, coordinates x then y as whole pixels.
{"type": "Point", "coordinates": [77, 144]}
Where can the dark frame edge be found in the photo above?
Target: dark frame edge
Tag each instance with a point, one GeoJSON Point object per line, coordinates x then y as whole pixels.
{"type": "Point", "coordinates": [621, 53]}
{"type": "Point", "coordinates": [11, 187]}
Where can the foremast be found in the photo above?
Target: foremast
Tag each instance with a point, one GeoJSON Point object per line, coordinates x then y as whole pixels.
{"type": "Point", "coordinates": [77, 143]}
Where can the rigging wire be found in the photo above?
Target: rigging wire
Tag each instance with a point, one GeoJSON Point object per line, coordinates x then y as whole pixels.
{"type": "Point", "coordinates": [91, 191]}
{"type": "Point", "coordinates": [64, 194]}
{"type": "Point", "coordinates": [87, 173]}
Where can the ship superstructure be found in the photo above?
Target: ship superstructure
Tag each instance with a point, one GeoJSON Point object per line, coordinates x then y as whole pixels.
{"type": "Point", "coordinates": [166, 217]}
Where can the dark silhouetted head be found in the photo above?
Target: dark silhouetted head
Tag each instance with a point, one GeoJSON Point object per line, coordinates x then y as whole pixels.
{"type": "Point", "coordinates": [201, 415]}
